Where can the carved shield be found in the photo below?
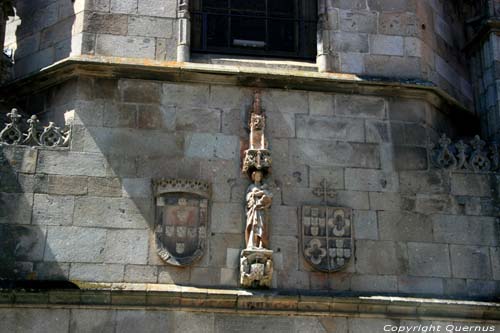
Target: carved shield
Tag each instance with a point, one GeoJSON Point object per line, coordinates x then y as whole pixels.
{"type": "Point", "coordinates": [181, 220]}
{"type": "Point", "coordinates": [326, 237]}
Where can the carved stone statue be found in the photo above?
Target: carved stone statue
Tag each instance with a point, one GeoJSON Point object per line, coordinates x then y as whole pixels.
{"type": "Point", "coordinates": [256, 260]}
{"type": "Point", "coordinates": [259, 200]}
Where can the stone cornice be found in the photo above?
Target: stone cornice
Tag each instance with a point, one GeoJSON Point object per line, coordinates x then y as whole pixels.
{"type": "Point", "coordinates": [112, 67]}
{"type": "Point", "coordinates": [173, 297]}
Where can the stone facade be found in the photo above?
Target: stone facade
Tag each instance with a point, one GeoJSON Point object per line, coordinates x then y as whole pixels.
{"type": "Point", "coordinates": [362, 134]}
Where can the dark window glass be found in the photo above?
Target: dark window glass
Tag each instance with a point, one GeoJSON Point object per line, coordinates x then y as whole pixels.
{"type": "Point", "coordinates": [285, 28]}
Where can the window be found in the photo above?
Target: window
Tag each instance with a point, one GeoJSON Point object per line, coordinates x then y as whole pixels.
{"type": "Point", "coordinates": [280, 28]}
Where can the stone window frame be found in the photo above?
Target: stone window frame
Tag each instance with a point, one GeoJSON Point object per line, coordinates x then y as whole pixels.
{"type": "Point", "coordinates": [323, 56]}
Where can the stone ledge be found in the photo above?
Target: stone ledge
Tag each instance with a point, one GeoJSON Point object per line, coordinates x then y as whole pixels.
{"type": "Point", "coordinates": [120, 295]}
{"type": "Point", "coordinates": [114, 67]}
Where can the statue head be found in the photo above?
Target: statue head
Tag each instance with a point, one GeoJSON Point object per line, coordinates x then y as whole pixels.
{"type": "Point", "coordinates": [257, 176]}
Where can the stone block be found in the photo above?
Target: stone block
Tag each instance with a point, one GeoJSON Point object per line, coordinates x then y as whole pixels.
{"type": "Point", "coordinates": [229, 323]}
{"type": "Point", "coordinates": [392, 5]}
{"type": "Point", "coordinates": [106, 23]}
{"type": "Point", "coordinates": [455, 287]}
{"type": "Point", "coordinates": [409, 110]}
{"type": "Point", "coordinates": [333, 176]}
{"type": "Point", "coordinates": [365, 224]}
{"type": "Point", "coordinates": [284, 220]}
{"type": "Point", "coordinates": [205, 276]}
{"type": "Point", "coordinates": [495, 262]}
{"type": "Point", "coordinates": [51, 271]}
{"type": "Point", "coordinates": [34, 62]}
{"type": "Point", "coordinates": [53, 209]}
{"type": "Point", "coordinates": [96, 272]}
{"type": "Point", "coordinates": [470, 262]}
{"type": "Point", "coordinates": [120, 115]}
{"type": "Point", "coordinates": [352, 62]}
{"type": "Point", "coordinates": [35, 320]}
{"type": "Point", "coordinates": [404, 226]}
{"type": "Point", "coordinates": [349, 42]}
{"type": "Point", "coordinates": [194, 322]}
{"type": "Point", "coordinates": [377, 131]}
{"type": "Point", "coordinates": [165, 8]}
{"type": "Point", "coordinates": [113, 212]}
{"type": "Point", "coordinates": [16, 208]}
{"type": "Point", "coordinates": [91, 320]}
{"type": "Point", "coordinates": [360, 106]}
{"type": "Point", "coordinates": [123, 6]}
{"type": "Point", "coordinates": [418, 285]}
{"type": "Point", "coordinates": [353, 199]}
{"type": "Point", "coordinates": [398, 23]}
{"type": "Point", "coordinates": [136, 187]}
{"type": "Point", "coordinates": [371, 180]}
{"type": "Point", "coordinates": [185, 95]}
{"type": "Point", "coordinates": [219, 247]}
{"type": "Point", "coordinates": [387, 45]}
{"type": "Point", "coordinates": [127, 247]}
{"type": "Point", "coordinates": [410, 158]}
{"type": "Point", "coordinates": [321, 104]}
{"type": "Point", "coordinates": [358, 21]}
{"type": "Point", "coordinates": [66, 185]}
{"type": "Point", "coordinates": [197, 119]}
{"type": "Point", "coordinates": [71, 163]}
{"type": "Point", "coordinates": [280, 125]}
{"type": "Point", "coordinates": [20, 243]}
{"type": "Point", "coordinates": [393, 66]}
{"type": "Point", "coordinates": [381, 257]}
{"type": "Point", "coordinates": [97, 5]}
{"type": "Point", "coordinates": [284, 101]}
{"type": "Point", "coordinates": [18, 159]}
{"type": "Point", "coordinates": [328, 128]}
{"type": "Point", "coordinates": [424, 182]}
{"type": "Point", "coordinates": [370, 325]}
{"type": "Point", "coordinates": [374, 283]}
{"type": "Point", "coordinates": [467, 230]}
{"type": "Point", "coordinates": [413, 47]}
{"type": "Point", "coordinates": [104, 187]}
{"type": "Point", "coordinates": [129, 321]}
{"type": "Point", "coordinates": [173, 275]}
{"type": "Point", "coordinates": [141, 274]}
{"type": "Point", "coordinates": [150, 26]}
{"type": "Point", "coordinates": [139, 91]}
{"type": "Point", "coordinates": [471, 184]}
{"type": "Point", "coordinates": [385, 201]}
{"type": "Point", "coordinates": [74, 244]}
{"type": "Point", "coordinates": [482, 289]}
{"type": "Point", "coordinates": [233, 122]}
{"type": "Point", "coordinates": [427, 259]}
{"type": "Point", "coordinates": [124, 46]}
{"type": "Point", "coordinates": [228, 218]}
{"type": "Point", "coordinates": [330, 154]}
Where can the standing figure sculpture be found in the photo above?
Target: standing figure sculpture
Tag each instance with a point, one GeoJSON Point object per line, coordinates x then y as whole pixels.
{"type": "Point", "coordinates": [259, 200]}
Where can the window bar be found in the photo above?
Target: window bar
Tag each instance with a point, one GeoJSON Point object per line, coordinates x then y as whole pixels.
{"type": "Point", "coordinates": [229, 27]}
{"type": "Point", "coordinates": [205, 30]}
{"type": "Point", "coordinates": [266, 20]}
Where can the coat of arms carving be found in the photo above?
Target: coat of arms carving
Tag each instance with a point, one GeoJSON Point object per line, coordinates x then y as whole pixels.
{"type": "Point", "coordinates": [326, 233]}
{"type": "Point", "coordinates": [181, 226]}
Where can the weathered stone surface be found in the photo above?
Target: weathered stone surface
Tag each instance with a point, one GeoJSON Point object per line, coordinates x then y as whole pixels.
{"type": "Point", "coordinates": [407, 110]}
{"type": "Point", "coordinates": [51, 271]}
{"type": "Point", "coordinates": [381, 257]}
{"type": "Point", "coordinates": [471, 184]}
{"type": "Point", "coordinates": [365, 224]}
{"type": "Point", "coordinates": [328, 128]}
{"type": "Point", "coordinates": [16, 208]}
{"type": "Point", "coordinates": [71, 163]}
{"type": "Point", "coordinates": [120, 115]}
{"type": "Point", "coordinates": [90, 320]}
{"type": "Point", "coordinates": [284, 101]}
{"type": "Point", "coordinates": [393, 66]}
{"type": "Point", "coordinates": [471, 262]}
{"type": "Point", "coordinates": [228, 323]}
{"type": "Point", "coordinates": [418, 285]}
{"type": "Point", "coordinates": [130, 321]}
{"type": "Point", "coordinates": [424, 182]}
{"type": "Point", "coordinates": [385, 201]}
{"type": "Point", "coordinates": [150, 27]}
{"type": "Point", "coordinates": [73, 244]}
{"type": "Point", "coordinates": [387, 45]}
{"type": "Point", "coordinates": [349, 42]}
{"type": "Point", "coordinates": [196, 323]}
{"type": "Point", "coordinates": [197, 119]}
{"type": "Point", "coordinates": [139, 273]}
{"type": "Point", "coordinates": [325, 153]}
{"type": "Point", "coordinates": [495, 262]}
{"type": "Point", "coordinates": [20, 243]}
{"type": "Point", "coordinates": [227, 218]}
{"type": "Point", "coordinates": [66, 185]}
{"type": "Point", "coordinates": [371, 180]}
{"type": "Point", "coordinates": [427, 259]}
{"type": "Point", "coordinates": [410, 158]}
{"type": "Point", "coordinates": [96, 272]}
{"type": "Point", "coordinates": [321, 104]}
{"type": "Point", "coordinates": [360, 106]}
{"type": "Point", "coordinates": [126, 247]}
{"type": "Point", "coordinates": [435, 204]}
{"type": "Point", "coordinates": [136, 187]}
{"type": "Point", "coordinates": [112, 212]}
{"type": "Point", "coordinates": [123, 6]}
{"type": "Point", "coordinates": [53, 209]}
{"type": "Point", "coordinates": [374, 283]}
{"type": "Point", "coordinates": [353, 199]}
{"type": "Point", "coordinates": [185, 95]}
{"type": "Point", "coordinates": [32, 320]}
{"type": "Point", "coordinates": [18, 159]}
{"type": "Point", "coordinates": [203, 145]}
{"type": "Point", "coordinates": [358, 21]}
{"type": "Point", "coordinates": [398, 23]}
{"type": "Point", "coordinates": [175, 275]}
{"type": "Point", "coordinates": [404, 226]}
{"type": "Point", "coordinates": [482, 288]}
{"type": "Point", "coordinates": [369, 325]}
{"type": "Point", "coordinates": [165, 8]}
{"type": "Point", "coordinates": [114, 24]}
{"type": "Point", "coordinates": [104, 187]}
{"type": "Point", "coordinates": [468, 230]}
{"type": "Point", "coordinates": [123, 46]}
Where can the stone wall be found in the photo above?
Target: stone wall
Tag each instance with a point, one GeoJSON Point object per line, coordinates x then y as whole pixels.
{"type": "Point", "coordinates": [93, 320]}
{"type": "Point", "coordinates": [86, 212]}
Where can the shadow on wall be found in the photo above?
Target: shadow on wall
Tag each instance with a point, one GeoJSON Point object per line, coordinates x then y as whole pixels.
{"type": "Point", "coordinates": [22, 244]}
{"type": "Point", "coordinates": [43, 33]}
